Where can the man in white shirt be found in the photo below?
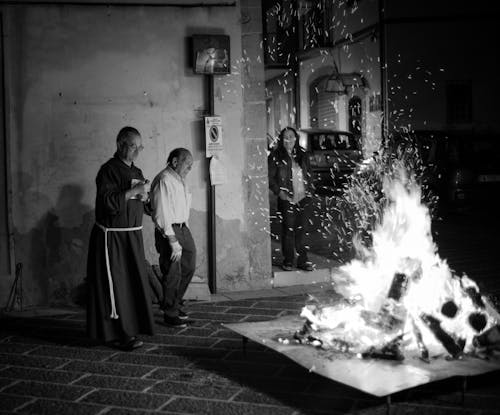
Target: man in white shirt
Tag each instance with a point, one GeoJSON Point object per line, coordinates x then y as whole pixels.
{"type": "Point", "coordinates": [171, 202]}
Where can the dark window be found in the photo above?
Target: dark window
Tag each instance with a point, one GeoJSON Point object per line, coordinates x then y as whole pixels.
{"type": "Point", "coordinates": [459, 102]}
{"type": "Point", "coordinates": [355, 115]}
{"type": "Point", "coordinates": [280, 32]}
{"type": "Point", "coordinates": [334, 141]}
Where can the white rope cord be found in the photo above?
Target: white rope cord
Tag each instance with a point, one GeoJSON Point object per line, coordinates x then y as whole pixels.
{"type": "Point", "coordinates": [113, 315]}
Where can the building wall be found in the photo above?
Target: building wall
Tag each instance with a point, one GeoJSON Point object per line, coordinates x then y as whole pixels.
{"type": "Point", "coordinates": [75, 76]}
{"type": "Point", "coordinates": [351, 29]}
{"type": "Point", "coordinates": [361, 57]}
{"type": "Point", "coordinates": [429, 47]}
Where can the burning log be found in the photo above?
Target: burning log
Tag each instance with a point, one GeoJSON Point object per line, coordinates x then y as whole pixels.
{"type": "Point", "coordinates": [307, 335]}
{"type": "Point", "coordinates": [390, 351]}
{"type": "Point", "coordinates": [424, 353]}
{"type": "Point", "coordinates": [399, 286]}
{"type": "Point", "coordinates": [474, 295]}
{"type": "Point", "coordinates": [452, 346]}
{"type": "Point", "coordinates": [489, 340]}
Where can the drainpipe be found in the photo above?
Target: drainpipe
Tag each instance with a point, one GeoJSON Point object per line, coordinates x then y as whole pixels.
{"type": "Point", "coordinates": [383, 70]}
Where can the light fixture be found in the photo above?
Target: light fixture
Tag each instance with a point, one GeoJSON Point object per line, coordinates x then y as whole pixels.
{"type": "Point", "coordinates": [334, 84]}
{"type": "Point", "coordinates": [354, 80]}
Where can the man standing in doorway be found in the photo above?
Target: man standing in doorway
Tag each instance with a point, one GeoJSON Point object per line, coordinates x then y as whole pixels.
{"type": "Point", "coordinates": [171, 202]}
{"type": "Point", "coordinates": [119, 303]}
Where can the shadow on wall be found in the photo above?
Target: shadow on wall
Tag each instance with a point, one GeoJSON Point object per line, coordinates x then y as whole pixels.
{"type": "Point", "coordinates": [54, 251]}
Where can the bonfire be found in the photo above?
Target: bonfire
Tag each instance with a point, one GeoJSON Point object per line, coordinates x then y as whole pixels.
{"type": "Point", "coordinates": [400, 298]}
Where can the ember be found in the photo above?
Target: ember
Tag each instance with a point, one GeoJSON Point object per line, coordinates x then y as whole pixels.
{"type": "Point", "coordinates": [402, 299]}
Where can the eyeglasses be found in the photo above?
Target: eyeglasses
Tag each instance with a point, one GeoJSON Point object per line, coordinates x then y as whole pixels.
{"type": "Point", "coordinates": [135, 147]}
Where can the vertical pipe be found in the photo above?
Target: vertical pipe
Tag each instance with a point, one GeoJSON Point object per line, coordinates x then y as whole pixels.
{"type": "Point", "coordinates": [383, 69]}
{"type": "Point", "coordinates": [5, 153]}
{"type": "Point", "coordinates": [212, 240]}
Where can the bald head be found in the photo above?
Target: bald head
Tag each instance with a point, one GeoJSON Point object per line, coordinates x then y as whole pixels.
{"type": "Point", "coordinates": [181, 161]}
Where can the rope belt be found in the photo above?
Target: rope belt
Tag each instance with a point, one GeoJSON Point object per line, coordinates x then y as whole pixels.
{"type": "Point", "coordinates": [114, 315]}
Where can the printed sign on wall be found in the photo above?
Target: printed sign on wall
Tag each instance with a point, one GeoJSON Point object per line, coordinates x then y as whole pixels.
{"type": "Point", "coordinates": [213, 136]}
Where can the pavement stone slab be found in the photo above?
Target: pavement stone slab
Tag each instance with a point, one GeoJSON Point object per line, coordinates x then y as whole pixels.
{"type": "Point", "coordinates": [238, 370]}
{"type": "Point", "coordinates": [299, 401]}
{"type": "Point", "coordinates": [47, 390]}
{"type": "Point", "coordinates": [108, 368]}
{"type": "Point", "coordinates": [181, 340]}
{"type": "Point", "coordinates": [217, 317]}
{"type": "Point", "coordinates": [195, 376]}
{"type": "Point", "coordinates": [126, 411]}
{"type": "Point", "coordinates": [222, 392]}
{"type": "Point", "coordinates": [126, 399]}
{"type": "Point", "coordinates": [31, 361]}
{"type": "Point", "coordinates": [198, 331]}
{"type": "Point", "coordinates": [11, 402]}
{"type": "Point", "coordinates": [190, 353]}
{"type": "Point", "coordinates": [201, 406]}
{"type": "Point", "coordinates": [72, 353]}
{"type": "Point", "coordinates": [149, 359]}
{"type": "Point", "coordinates": [114, 382]}
{"type": "Point", "coordinates": [16, 348]}
{"type": "Point", "coordinates": [4, 382]}
{"type": "Point", "coordinates": [39, 339]}
{"type": "Point", "coordinates": [56, 407]}
{"type": "Point", "coordinates": [210, 307]}
{"type": "Point", "coordinates": [55, 376]}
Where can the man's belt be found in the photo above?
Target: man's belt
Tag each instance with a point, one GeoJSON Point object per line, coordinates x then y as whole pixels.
{"type": "Point", "coordinates": [114, 315]}
{"type": "Point", "coordinates": [179, 225]}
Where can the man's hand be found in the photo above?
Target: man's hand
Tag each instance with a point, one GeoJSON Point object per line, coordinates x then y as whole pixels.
{"type": "Point", "coordinates": [176, 251]}
{"type": "Point", "coordinates": [283, 196]}
{"type": "Point", "coordinates": [139, 191]}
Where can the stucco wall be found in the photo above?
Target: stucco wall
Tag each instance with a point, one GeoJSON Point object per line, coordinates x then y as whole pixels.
{"type": "Point", "coordinates": [76, 75]}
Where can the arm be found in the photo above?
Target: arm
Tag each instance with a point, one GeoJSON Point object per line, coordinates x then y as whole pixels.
{"type": "Point", "coordinates": [160, 208]}
{"type": "Point", "coordinates": [273, 173]}
{"type": "Point", "coordinates": [307, 172]}
{"type": "Point", "coordinates": [161, 214]}
{"type": "Point", "coordinates": [109, 193]}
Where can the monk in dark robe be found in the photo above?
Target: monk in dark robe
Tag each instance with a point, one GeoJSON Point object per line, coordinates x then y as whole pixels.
{"type": "Point", "coordinates": [119, 303]}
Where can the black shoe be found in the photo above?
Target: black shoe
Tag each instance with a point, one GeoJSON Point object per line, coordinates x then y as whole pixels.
{"type": "Point", "coordinates": [174, 321]}
{"type": "Point", "coordinates": [128, 344]}
{"type": "Point", "coordinates": [183, 315]}
{"type": "Point", "coordinates": [286, 267]}
{"type": "Point", "coordinates": [306, 266]}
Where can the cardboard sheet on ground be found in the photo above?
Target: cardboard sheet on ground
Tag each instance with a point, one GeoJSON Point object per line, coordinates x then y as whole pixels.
{"type": "Point", "coordinates": [374, 376]}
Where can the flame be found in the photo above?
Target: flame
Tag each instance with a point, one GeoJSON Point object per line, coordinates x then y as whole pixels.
{"type": "Point", "coordinates": [402, 246]}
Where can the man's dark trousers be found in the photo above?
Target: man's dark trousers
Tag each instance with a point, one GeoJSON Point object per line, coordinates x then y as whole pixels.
{"type": "Point", "coordinates": [176, 275]}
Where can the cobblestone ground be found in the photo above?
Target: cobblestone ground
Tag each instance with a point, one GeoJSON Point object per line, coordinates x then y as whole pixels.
{"type": "Point", "coordinates": [48, 367]}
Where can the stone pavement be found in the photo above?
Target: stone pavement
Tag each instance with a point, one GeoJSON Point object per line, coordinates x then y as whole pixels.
{"type": "Point", "coordinates": [48, 367]}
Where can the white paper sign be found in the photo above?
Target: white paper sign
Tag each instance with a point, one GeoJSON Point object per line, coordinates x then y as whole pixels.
{"type": "Point", "coordinates": [213, 136]}
{"type": "Point", "coordinates": [217, 171]}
